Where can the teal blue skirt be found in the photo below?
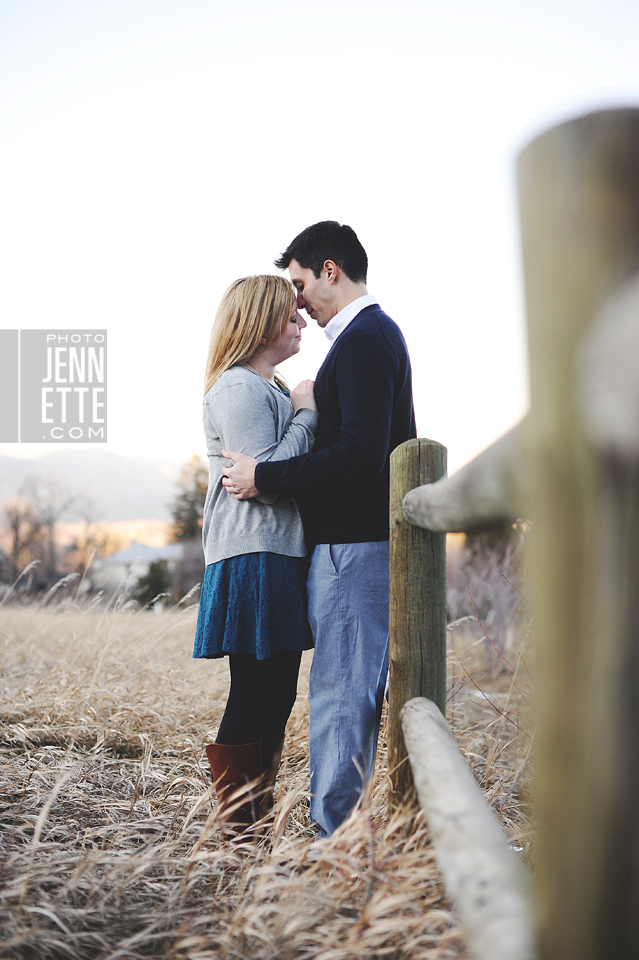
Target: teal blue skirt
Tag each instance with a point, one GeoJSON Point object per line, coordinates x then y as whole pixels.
{"type": "Point", "coordinates": [254, 603]}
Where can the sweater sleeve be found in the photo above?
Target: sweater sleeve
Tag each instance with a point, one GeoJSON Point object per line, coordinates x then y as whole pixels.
{"type": "Point", "coordinates": [245, 419]}
{"type": "Point", "coordinates": [364, 377]}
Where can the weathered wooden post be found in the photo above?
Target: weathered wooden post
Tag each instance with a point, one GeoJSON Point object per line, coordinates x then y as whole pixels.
{"type": "Point", "coordinates": [573, 469]}
{"type": "Point", "coordinates": [579, 189]}
{"type": "Point", "coordinates": [417, 604]}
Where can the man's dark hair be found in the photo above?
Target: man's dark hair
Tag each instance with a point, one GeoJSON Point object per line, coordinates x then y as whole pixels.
{"type": "Point", "coordinates": [327, 240]}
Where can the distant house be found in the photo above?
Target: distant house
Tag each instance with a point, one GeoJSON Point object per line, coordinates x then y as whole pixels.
{"type": "Point", "coordinates": [121, 570]}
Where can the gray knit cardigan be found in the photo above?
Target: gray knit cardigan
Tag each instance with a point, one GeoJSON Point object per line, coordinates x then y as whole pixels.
{"type": "Point", "coordinates": [245, 413]}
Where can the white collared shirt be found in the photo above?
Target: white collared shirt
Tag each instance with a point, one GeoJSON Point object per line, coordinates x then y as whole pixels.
{"type": "Point", "coordinates": [341, 320]}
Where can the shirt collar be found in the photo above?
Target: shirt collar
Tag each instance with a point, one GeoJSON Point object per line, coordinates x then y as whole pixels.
{"type": "Point", "coordinates": [341, 320]}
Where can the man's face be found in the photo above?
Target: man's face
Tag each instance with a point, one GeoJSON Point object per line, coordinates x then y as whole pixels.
{"type": "Point", "coordinates": [316, 295]}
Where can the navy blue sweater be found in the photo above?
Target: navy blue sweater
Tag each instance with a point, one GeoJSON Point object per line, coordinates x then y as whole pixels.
{"type": "Point", "coordinates": [364, 398]}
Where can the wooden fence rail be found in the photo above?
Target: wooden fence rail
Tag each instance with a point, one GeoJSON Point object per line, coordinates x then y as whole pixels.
{"type": "Point", "coordinates": [485, 880]}
{"type": "Point", "coordinates": [573, 470]}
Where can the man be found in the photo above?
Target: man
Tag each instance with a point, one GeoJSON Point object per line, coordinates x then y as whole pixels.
{"type": "Point", "coordinates": [364, 399]}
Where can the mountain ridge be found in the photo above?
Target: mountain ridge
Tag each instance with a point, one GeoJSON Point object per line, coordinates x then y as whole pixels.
{"type": "Point", "coordinates": [106, 486]}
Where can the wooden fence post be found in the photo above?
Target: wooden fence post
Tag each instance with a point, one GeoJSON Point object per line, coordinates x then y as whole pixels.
{"type": "Point", "coordinates": [579, 190]}
{"type": "Point", "coordinates": [417, 605]}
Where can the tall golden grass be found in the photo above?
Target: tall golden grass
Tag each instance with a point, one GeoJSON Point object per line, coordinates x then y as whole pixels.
{"type": "Point", "coordinates": [110, 844]}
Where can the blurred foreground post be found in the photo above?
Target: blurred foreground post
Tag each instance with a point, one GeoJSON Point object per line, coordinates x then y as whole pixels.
{"type": "Point", "coordinates": [417, 604]}
{"type": "Point", "coordinates": [572, 468]}
{"type": "Point", "coordinates": [579, 194]}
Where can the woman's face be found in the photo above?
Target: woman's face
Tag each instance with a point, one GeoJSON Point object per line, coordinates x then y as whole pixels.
{"type": "Point", "coordinates": [288, 342]}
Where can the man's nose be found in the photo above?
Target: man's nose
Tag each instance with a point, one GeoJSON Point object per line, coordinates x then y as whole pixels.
{"type": "Point", "coordinates": [301, 302]}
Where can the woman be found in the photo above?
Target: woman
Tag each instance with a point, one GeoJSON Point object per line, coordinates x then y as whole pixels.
{"type": "Point", "coordinates": [253, 602]}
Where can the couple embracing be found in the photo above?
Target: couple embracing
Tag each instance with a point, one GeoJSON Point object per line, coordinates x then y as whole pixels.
{"type": "Point", "coordinates": [290, 472]}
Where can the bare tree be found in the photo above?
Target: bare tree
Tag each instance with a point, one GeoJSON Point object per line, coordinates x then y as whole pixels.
{"type": "Point", "coordinates": [23, 531]}
{"type": "Point", "coordinates": [30, 521]}
{"type": "Point", "coordinates": [51, 500]}
{"type": "Point", "coordinates": [90, 542]}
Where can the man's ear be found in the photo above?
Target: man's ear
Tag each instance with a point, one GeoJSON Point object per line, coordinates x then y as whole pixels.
{"type": "Point", "coordinates": [330, 270]}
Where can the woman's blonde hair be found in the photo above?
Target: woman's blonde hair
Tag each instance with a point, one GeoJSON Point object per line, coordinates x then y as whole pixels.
{"type": "Point", "coordinates": [251, 310]}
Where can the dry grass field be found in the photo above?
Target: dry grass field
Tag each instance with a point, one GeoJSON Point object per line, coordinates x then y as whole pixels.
{"type": "Point", "coordinates": [109, 843]}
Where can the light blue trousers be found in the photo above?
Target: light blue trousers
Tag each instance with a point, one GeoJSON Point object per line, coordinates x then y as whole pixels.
{"type": "Point", "coordinates": [348, 613]}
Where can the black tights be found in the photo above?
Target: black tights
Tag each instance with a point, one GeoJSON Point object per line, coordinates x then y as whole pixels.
{"type": "Point", "coordinates": [261, 697]}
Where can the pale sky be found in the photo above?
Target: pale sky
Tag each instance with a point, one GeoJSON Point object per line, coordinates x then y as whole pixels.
{"type": "Point", "coordinates": [152, 151]}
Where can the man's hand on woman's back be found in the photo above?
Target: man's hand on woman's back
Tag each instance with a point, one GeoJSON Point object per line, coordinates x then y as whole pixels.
{"type": "Point", "coordinates": [239, 479]}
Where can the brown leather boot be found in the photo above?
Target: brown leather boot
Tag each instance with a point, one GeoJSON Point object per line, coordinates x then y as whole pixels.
{"type": "Point", "coordinates": [271, 757]}
{"type": "Point", "coordinates": [237, 773]}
